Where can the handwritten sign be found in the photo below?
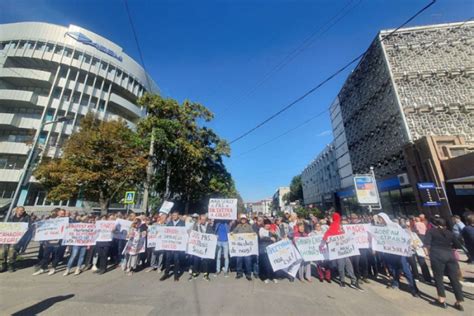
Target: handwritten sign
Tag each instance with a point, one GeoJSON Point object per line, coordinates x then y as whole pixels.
{"type": "Point", "coordinates": [391, 239]}
{"type": "Point", "coordinates": [342, 246]}
{"type": "Point", "coordinates": [202, 245]}
{"type": "Point", "coordinates": [105, 230]}
{"type": "Point", "coordinates": [51, 229]}
{"type": "Point", "coordinates": [152, 235]}
{"type": "Point", "coordinates": [223, 209]}
{"type": "Point", "coordinates": [11, 233]}
{"type": "Point", "coordinates": [242, 245]}
{"type": "Point", "coordinates": [312, 248]}
{"type": "Point", "coordinates": [80, 234]}
{"type": "Point", "coordinates": [360, 233]}
{"type": "Point", "coordinates": [122, 227]}
{"type": "Point", "coordinates": [282, 254]}
{"type": "Point", "coordinates": [172, 238]}
{"type": "Point", "coordinates": [166, 207]}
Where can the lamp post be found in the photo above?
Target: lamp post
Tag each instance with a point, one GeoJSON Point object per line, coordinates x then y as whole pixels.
{"type": "Point", "coordinates": [26, 167]}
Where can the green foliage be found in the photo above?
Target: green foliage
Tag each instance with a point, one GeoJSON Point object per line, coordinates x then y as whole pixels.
{"type": "Point", "coordinates": [187, 156]}
{"type": "Point", "coordinates": [99, 161]}
{"type": "Point", "coordinates": [306, 212]}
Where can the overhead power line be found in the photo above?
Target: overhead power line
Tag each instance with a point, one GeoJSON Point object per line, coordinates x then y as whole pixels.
{"type": "Point", "coordinates": [135, 37]}
{"type": "Point", "coordinates": [316, 34]}
{"type": "Point", "coordinates": [283, 134]}
{"type": "Point", "coordinates": [322, 83]}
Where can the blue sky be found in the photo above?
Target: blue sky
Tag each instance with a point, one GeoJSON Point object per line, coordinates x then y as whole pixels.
{"type": "Point", "coordinates": [222, 53]}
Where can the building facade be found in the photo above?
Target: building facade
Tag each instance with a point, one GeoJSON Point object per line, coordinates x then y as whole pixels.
{"type": "Point", "coordinates": [50, 73]}
{"type": "Point", "coordinates": [262, 207]}
{"type": "Point", "coordinates": [320, 180]}
{"type": "Point", "coordinates": [412, 85]}
{"type": "Point", "coordinates": [278, 202]}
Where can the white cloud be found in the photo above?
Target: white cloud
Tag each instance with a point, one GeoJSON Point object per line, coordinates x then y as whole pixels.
{"type": "Point", "coordinates": [324, 133]}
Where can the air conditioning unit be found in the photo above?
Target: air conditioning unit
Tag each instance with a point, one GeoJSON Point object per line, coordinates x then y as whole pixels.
{"type": "Point", "coordinates": [403, 179]}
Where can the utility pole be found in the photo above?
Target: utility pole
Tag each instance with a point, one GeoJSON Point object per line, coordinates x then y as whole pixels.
{"type": "Point", "coordinates": [149, 173]}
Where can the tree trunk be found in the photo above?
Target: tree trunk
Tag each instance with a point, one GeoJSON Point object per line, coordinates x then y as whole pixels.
{"type": "Point", "coordinates": [168, 176]}
{"type": "Point", "coordinates": [104, 203]}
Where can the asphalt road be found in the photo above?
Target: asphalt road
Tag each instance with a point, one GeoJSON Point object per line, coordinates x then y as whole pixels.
{"type": "Point", "coordinates": [115, 293]}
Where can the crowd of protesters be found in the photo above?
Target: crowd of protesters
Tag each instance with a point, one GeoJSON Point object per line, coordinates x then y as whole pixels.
{"type": "Point", "coordinates": [430, 239]}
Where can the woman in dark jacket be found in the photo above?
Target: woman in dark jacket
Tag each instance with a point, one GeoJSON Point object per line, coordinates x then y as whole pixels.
{"type": "Point", "coordinates": [439, 243]}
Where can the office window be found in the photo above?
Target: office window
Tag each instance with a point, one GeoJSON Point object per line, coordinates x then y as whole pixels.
{"type": "Point", "coordinates": [49, 47]}
{"type": "Point", "coordinates": [58, 49]}
{"type": "Point", "coordinates": [21, 45]}
{"type": "Point", "coordinates": [77, 56]}
{"type": "Point", "coordinates": [87, 59]}
{"type": "Point", "coordinates": [68, 52]}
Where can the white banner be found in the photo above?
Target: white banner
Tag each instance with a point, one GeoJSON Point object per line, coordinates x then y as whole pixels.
{"type": "Point", "coordinates": [172, 238]}
{"type": "Point", "coordinates": [166, 207]}
{"type": "Point", "coordinates": [105, 230]}
{"type": "Point", "coordinates": [51, 229]}
{"type": "Point", "coordinates": [391, 239]}
{"type": "Point", "coordinates": [152, 235]}
{"type": "Point", "coordinates": [312, 248]}
{"type": "Point", "coordinates": [136, 243]}
{"type": "Point", "coordinates": [80, 234]}
{"type": "Point", "coordinates": [223, 209]}
{"type": "Point", "coordinates": [202, 245]}
{"type": "Point", "coordinates": [11, 233]}
{"type": "Point", "coordinates": [360, 232]}
{"type": "Point", "coordinates": [282, 254]}
{"type": "Point", "coordinates": [122, 226]}
{"type": "Point", "coordinates": [342, 246]}
{"type": "Point", "coordinates": [242, 245]}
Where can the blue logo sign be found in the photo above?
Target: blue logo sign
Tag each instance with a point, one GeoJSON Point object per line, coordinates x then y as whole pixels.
{"type": "Point", "coordinates": [432, 203]}
{"type": "Point", "coordinates": [81, 38]}
{"type": "Point", "coordinates": [426, 185]}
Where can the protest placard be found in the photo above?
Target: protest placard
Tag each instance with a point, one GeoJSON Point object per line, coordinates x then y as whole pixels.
{"type": "Point", "coordinates": [223, 209]}
{"type": "Point", "coordinates": [51, 229]}
{"type": "Point", "coordinates": [242, 245]}
{"type": "Point", "coordinates": [105, 230]}
{"type": "Point", "coordinates": [282, 254]}
{"type": "Point", "coordinates": [312, 248]}
{"type": "Point", "coordinates": [166, 207]}
{"type": "Point", "coordinates": [152, 235]}
{"type": "Point", "coordinates": [360, 232]}
{"type": "Point", "coordinates": [202, 245]}
{"type": "Point", "coordinates": [172, 238]}
{"type": "Point", "coordinates": [342, 246]}
{"type": "Point", "coordinates": [122, 227]}
{"type": "Point", "coordinates": [136, 244]}
{"type": "Point", "coordinates": [11, 233]}
{"type": "Point", "coordinates": [80, 234]}
{"type": "Point", "coordinates": [391, 239]}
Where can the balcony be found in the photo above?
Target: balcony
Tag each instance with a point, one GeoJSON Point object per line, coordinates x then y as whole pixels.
{"type": "Point", "coordinates": [129, 106]}
{"type": "Point", "coordinates": [9, 96]}
{"type": "Point", "coordinates": [27, 121]}
{"type": "Point", "coordinates": [24, 77]}
{"type": "Point", "coordinates": [10, 175]}
{"type": "Point", "coordinates": [14, 148]}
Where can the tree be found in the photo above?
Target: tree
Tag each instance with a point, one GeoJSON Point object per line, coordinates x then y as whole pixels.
{"type": "Point", "coordinates": [187, 156]}
{"type": "Point", "coordinates": [101, 160]}
{"type": "Point", "coordinates": [296, 190]}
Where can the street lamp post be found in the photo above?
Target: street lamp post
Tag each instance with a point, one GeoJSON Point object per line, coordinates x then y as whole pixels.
{"type": "Point", "coordinates": [26, 167]}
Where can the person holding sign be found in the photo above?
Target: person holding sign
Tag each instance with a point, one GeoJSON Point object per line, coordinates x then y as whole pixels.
{"type": "Point", "coordinates": [173, 257]}
{"type": "Point", "coordinates": [135, 245]}
{"type": "Point", "coordinates": [343, 264]}
{"type": "Point", "coordinates": [222, 229]}
{"type": "Point", "coordinates": [10, 251]}
{"type": "Point", "coordinates": [53, 249]}
{"type": "Point", "coordinates": [323, 266]}
{"type": "Point", "coordinates": [243, 228]}
{"type": "Point", "coordinates": [78, 252]}
{"type": "Point", "coordinates": [304, 272]}
{"type": "Point", "coordinates": [397, 263]}
{"type": "Point", "coordinates": [267, 237]}
{"type": "Point", "coordinates": [201, 264]}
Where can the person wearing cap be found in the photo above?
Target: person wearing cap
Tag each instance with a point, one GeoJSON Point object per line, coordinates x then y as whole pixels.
{"type": "Point", "coordinates": [243, 227]}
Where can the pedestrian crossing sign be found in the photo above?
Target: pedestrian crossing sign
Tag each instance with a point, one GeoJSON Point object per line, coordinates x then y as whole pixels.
{"type": "Point", "coordinates": [129, 197]}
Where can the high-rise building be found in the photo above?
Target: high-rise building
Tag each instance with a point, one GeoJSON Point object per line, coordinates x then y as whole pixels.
{"type": "Point", "coordinates": [405, 108]}
{"type": "Point", "coordinates": [52, 73]}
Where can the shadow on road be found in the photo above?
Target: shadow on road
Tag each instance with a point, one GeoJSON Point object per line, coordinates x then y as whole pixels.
{"type": "Point", "coordinates": [43, 305]}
